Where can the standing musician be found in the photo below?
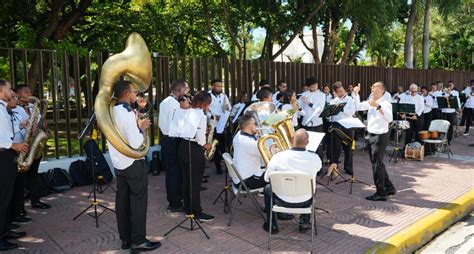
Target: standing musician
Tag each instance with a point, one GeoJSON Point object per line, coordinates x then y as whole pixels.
{"type": "Point", "coordinates": [313, 102]}
{"type": "Point", "coordinates": [131, 199]}
{"type": "Point", "coordinates": [327, 93]}
{"type": "Point", "coordinates": [8, 151]}
{"type": "Point", "coordinates": [379, 116]}
{"type": "Point", "coordinates": [169, 146]}
{"type": "Point", "coordinates": [246, 154]}
{"type": "Point", "coordinates": [428, 109]}
{"type": "Point", "coordinates": [335, 143]}
{"type": "Point", "coordinates": [450, 113]}
{"type": "Point", "coordinates": [469, 106]}
{"type": "Point", "coordinates": [282, 87]}
{"type": "Point", "coordinates": [24, 109]}
{"type": "Point", "coordinates": [239, 107]}
{"type": "Point", "coordinates": [220, 105]}
{"type": "Point", "coordinates": [263, 83]}
{"type": "Point", "coordinates": [191, 155]}
{"type": "Point", "coordinates": [437, 92]}
{"type": "Point", "coordinates": [290, 102]}
{"type": "Point", "coordinates": [416, 120]}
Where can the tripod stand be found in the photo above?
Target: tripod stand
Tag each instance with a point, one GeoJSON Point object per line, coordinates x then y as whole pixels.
{"type": "Point", "coordinates": [397, 150]}
{"type": "Point", "coordinates": [227, 185]}
{"type": "Point", "coordinates": [94, 203]}
{"type": "Point", "coordinates": [194, 222]}
{"type": "Point", "coordinates": [99, 187]}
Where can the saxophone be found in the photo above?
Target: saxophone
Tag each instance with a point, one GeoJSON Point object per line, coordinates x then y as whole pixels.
{"type": "Point", "coordinates": [209, 154]}
{"type": "Point", "coordinates": [36, 139]}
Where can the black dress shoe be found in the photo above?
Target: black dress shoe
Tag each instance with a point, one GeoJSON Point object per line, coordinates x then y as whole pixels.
{"type": "Point", "coordinates": [205, 176]}
{"type": "Point", "coordinates": [204, 180]}
{"type": "Point", "coordinates": [177, 209]}
{"type": "Point", "coordinates": [274, 228]}
{"type": "Point", "coordinates": [304, 227]}
{"type": "Point", "coordinates": [146, 246]}
{"type": "Point", "coordinates": [392, 192]}
{"type": "Point", "coordinates": [40, 205]}
{"type": "Point", "coordinates": [203, 188]}
{"type": "Point", "coordinates": [5, 245]}
{"type": "Point", "coordinates": [22, 220]}
{"type": "Point", "coordinates": [376, 197]}
{"type": "Point", "coordinates": [14, 235]}
{"type": "Point", "coordinates": [126, 245]}
{"type": "Point", "coordinates": [14, 227]}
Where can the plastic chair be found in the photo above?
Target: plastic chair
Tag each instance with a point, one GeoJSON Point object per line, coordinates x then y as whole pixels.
{"type": "Point", "coordinates": [243, 189]}
{"type": "Point", "coordinates": [441, 126]}
{"type": "Point", "coordinates": [291, 184]}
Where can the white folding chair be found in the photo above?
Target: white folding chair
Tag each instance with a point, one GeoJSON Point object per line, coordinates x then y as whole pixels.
{"type": "Point", "coordinates": [243, 189]}
{"type": "Point", "coordinates": [441, 126]}
{"type": "Point", "coordinates": [291, 184]}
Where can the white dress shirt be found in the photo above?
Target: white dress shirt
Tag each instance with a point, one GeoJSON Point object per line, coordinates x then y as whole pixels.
{"type": "Point", "coordinates": [294, 120]}
{"type": "Point", "coordinates": [168, 108]}
{"type": "Point", "coordinates": [274, 97]}
{"type": "Point", "coordinates": [377, 123]}
{"type": "Point", "coordinates": [469, 98]}
{"type": "Point", "coordinates": [428, 104]}
{"type": "Point", "coordinates": [19, 132]}
{"type": "Point", "coordinates": [416, 100]}
{"type": "Point", "coordinates": [347, 112]}
{"type": "Point", "coordinates": [126, 123]}
{"type": "Point", "coordinates": [295, 160]}
{"type": "Point", "coordinates": [202, 126]}
{"type": "Point", "coordinates": [246, 156]}
{"type": "Point", "coordinates": [329, 98]}
{"type": "Point", "coordinates": [219, 104]}
{"type": "Point", "coordinates": [6, 127]}
{"type": "Point", "coordinates": [313, 110]}
{"type": "Point", "coordinates": [386, 95]}
{"type": "Point", "coordinates": [452, 110]}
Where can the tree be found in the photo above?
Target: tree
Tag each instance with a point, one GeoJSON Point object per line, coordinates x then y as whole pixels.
{"type": "Point", "coordinates": [408, 50]}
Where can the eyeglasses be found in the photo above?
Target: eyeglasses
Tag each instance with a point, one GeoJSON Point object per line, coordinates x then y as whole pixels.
{"type": "Point", "coordinates": [134, 91]}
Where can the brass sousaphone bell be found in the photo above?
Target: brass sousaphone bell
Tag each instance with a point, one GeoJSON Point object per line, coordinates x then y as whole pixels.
{"type": "Point", "coordinates": [134, 63]}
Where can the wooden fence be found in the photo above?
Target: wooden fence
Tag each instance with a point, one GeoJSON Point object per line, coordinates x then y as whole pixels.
{"type": "Point", "coordinates": [69, 81]}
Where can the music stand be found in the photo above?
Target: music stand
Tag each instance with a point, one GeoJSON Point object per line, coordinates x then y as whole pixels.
{"type": "Point", "coordinates": [398, 109]}
{"type": "Point", "coordinates": [94, 203]}
{"type": "Point", "coordinates": [450, 102]}
{"type": "Point", "coordinates": [227, 184]}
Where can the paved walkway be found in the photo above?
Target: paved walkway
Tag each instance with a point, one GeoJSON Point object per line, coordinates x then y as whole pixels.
{"type": "Point", "coordinates": [352, 226]}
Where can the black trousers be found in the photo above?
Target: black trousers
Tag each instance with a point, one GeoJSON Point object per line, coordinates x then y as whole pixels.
{"type": "Point", "coordinates": [415, 127]}
{"type": "Point", "coordinates": [318, 128]}
{"type": "Point", "coordinates": [32, 181]}
{"type": "Point", "coordinates": [192, 163]}
{"type": "Point", "coordinates": [336, 146]}
{"type": "Point", "coordinates": [436, 114]}
{"type": "Point", "coordinates": [131, 202]}
{"type": "Point", "coordinates": [220, 149]}
{"type": "Point", "coordinates": [376, 147]}
{"type": "Point", "coordinates": [253, 182]}
{"type": "Point", "coordinates": [304, 218]}
{"type": "Point", "coordinates": [428, 117]}
{"type": "Point", "coordinates": [8, 174]}
{"type": "Point", "coordinates": [17, 203]}
{"type": "Point", "coordinates": [451, 118]}
{"type": "Point", "coordinates": [468, 112]}
{"type": "Point", "coordinates": [173, 178]}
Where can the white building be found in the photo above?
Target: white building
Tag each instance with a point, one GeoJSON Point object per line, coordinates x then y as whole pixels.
{"type": "Point", "coordinates": [297, 50]}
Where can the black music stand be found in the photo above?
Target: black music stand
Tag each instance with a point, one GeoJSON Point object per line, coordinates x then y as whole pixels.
{"type": "Point", "coordinates": [398, 109]}
{"type": "Point", "coordinates": [94, 203]}
{"type": "Point", "coordinates": [227, 184]}
{"type": "Point", "coordinates": [450, 102]}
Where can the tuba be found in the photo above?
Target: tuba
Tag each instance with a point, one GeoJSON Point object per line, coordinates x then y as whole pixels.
{"type": "Point", "coordinates": [135, 63]}
{"type": "Point", "coordinates": [36, 139]}
{"type": "Point", "coordinates": [282, 137]}
{"type": "Point", "coordinates": [209, 154]}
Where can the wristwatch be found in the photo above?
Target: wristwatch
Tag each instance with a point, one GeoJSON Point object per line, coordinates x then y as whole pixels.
{"type": "Point", "coordinates": [379, 107]}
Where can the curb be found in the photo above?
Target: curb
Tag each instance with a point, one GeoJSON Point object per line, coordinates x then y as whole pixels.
{"type": "Point", "coordinates": [419, 233]}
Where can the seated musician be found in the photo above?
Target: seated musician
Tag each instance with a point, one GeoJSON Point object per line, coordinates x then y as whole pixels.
{"type": "Point", "coordinates": [246, 154]}
{"type": "Point", "coordinates": [297, 159]}
{"type": "Point", "coordinates": [416, 120]}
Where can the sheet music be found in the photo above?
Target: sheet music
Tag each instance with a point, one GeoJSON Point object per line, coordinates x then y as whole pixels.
{"type": "Point", "coordinates": [222, 122]}
{"type": "Point", "coordinates": [185, 123]}
{"type": "Point", "coordinates": [315, 139]}
{"type": "Point", "coordinates": [316, 111]}
{"type": "Point", "coordinates": [239, 111]}
{"type": "Point", "coordinates": [350, 123]}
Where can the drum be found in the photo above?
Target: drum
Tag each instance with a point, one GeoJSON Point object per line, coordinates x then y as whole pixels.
{"type": "Point", "coordinates": [424, 135]}
{"type": "Point", "coordinates": [415, 151]}
{"type": "Point", "coordinates": [434, 134]}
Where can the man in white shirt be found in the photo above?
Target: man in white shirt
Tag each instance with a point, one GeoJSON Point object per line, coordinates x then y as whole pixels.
{"type": "Point", "coordinates": [281, 86]}
{"type": "Point", "coordinates": [469, 106]}
{"type": "Point", "coordinates": [169, 146]}
{"type": "Point", "coordinates": [416, 120]}
{"type": "Point", "coordinates": [263, 83]}
{"type": "Point", "coordinates": [297, 159]}
{"type": "Point", "coordinates": [246, 154]}
{"type": "Point", "coordinates": [450, 113]}
{"type": "Point", "coordinates": [428, 108]}
{"type": "Point", "coordinates": [220, 105]}
{"type": "Point", "coordinates": [379, 116]}
{"type": "Point", "coordinates": [335, 142]}
{"type": "Point", "coordinates": [8, 172]}
{"type": "Point", "coordinates": [313, 102]}
{"type": "Point", "coordinates": [131, 200]}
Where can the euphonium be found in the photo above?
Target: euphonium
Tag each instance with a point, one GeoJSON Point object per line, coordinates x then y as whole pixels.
{"type": "Point", "coordinates": [135, 63]}
{"type": "Point", "coordinates": [282, 138]}
{"type": "Point", "coordinates": [34, 137]}
{"type": "Point", "coordinates": [209, 154]}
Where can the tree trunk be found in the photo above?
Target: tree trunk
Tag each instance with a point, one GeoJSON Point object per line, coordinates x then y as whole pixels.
{"type": "Point", "coordinates": [315, 44]}
{"type": "Point", "coordinates": [347, 45]}
{"type": "Point", "coordinates": [330, 40]}
{"type": "Point", "coordinates": [408, 51]}
{"type": "Point", "coordinates": [426, 35]}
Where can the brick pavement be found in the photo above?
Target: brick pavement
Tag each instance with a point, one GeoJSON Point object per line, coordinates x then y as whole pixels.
{"type": "Point", "coordinates": [352, 226]}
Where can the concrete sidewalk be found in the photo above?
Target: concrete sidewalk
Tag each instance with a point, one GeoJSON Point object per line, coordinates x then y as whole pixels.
{"type": "Point", "coordinates": [353, 225]}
